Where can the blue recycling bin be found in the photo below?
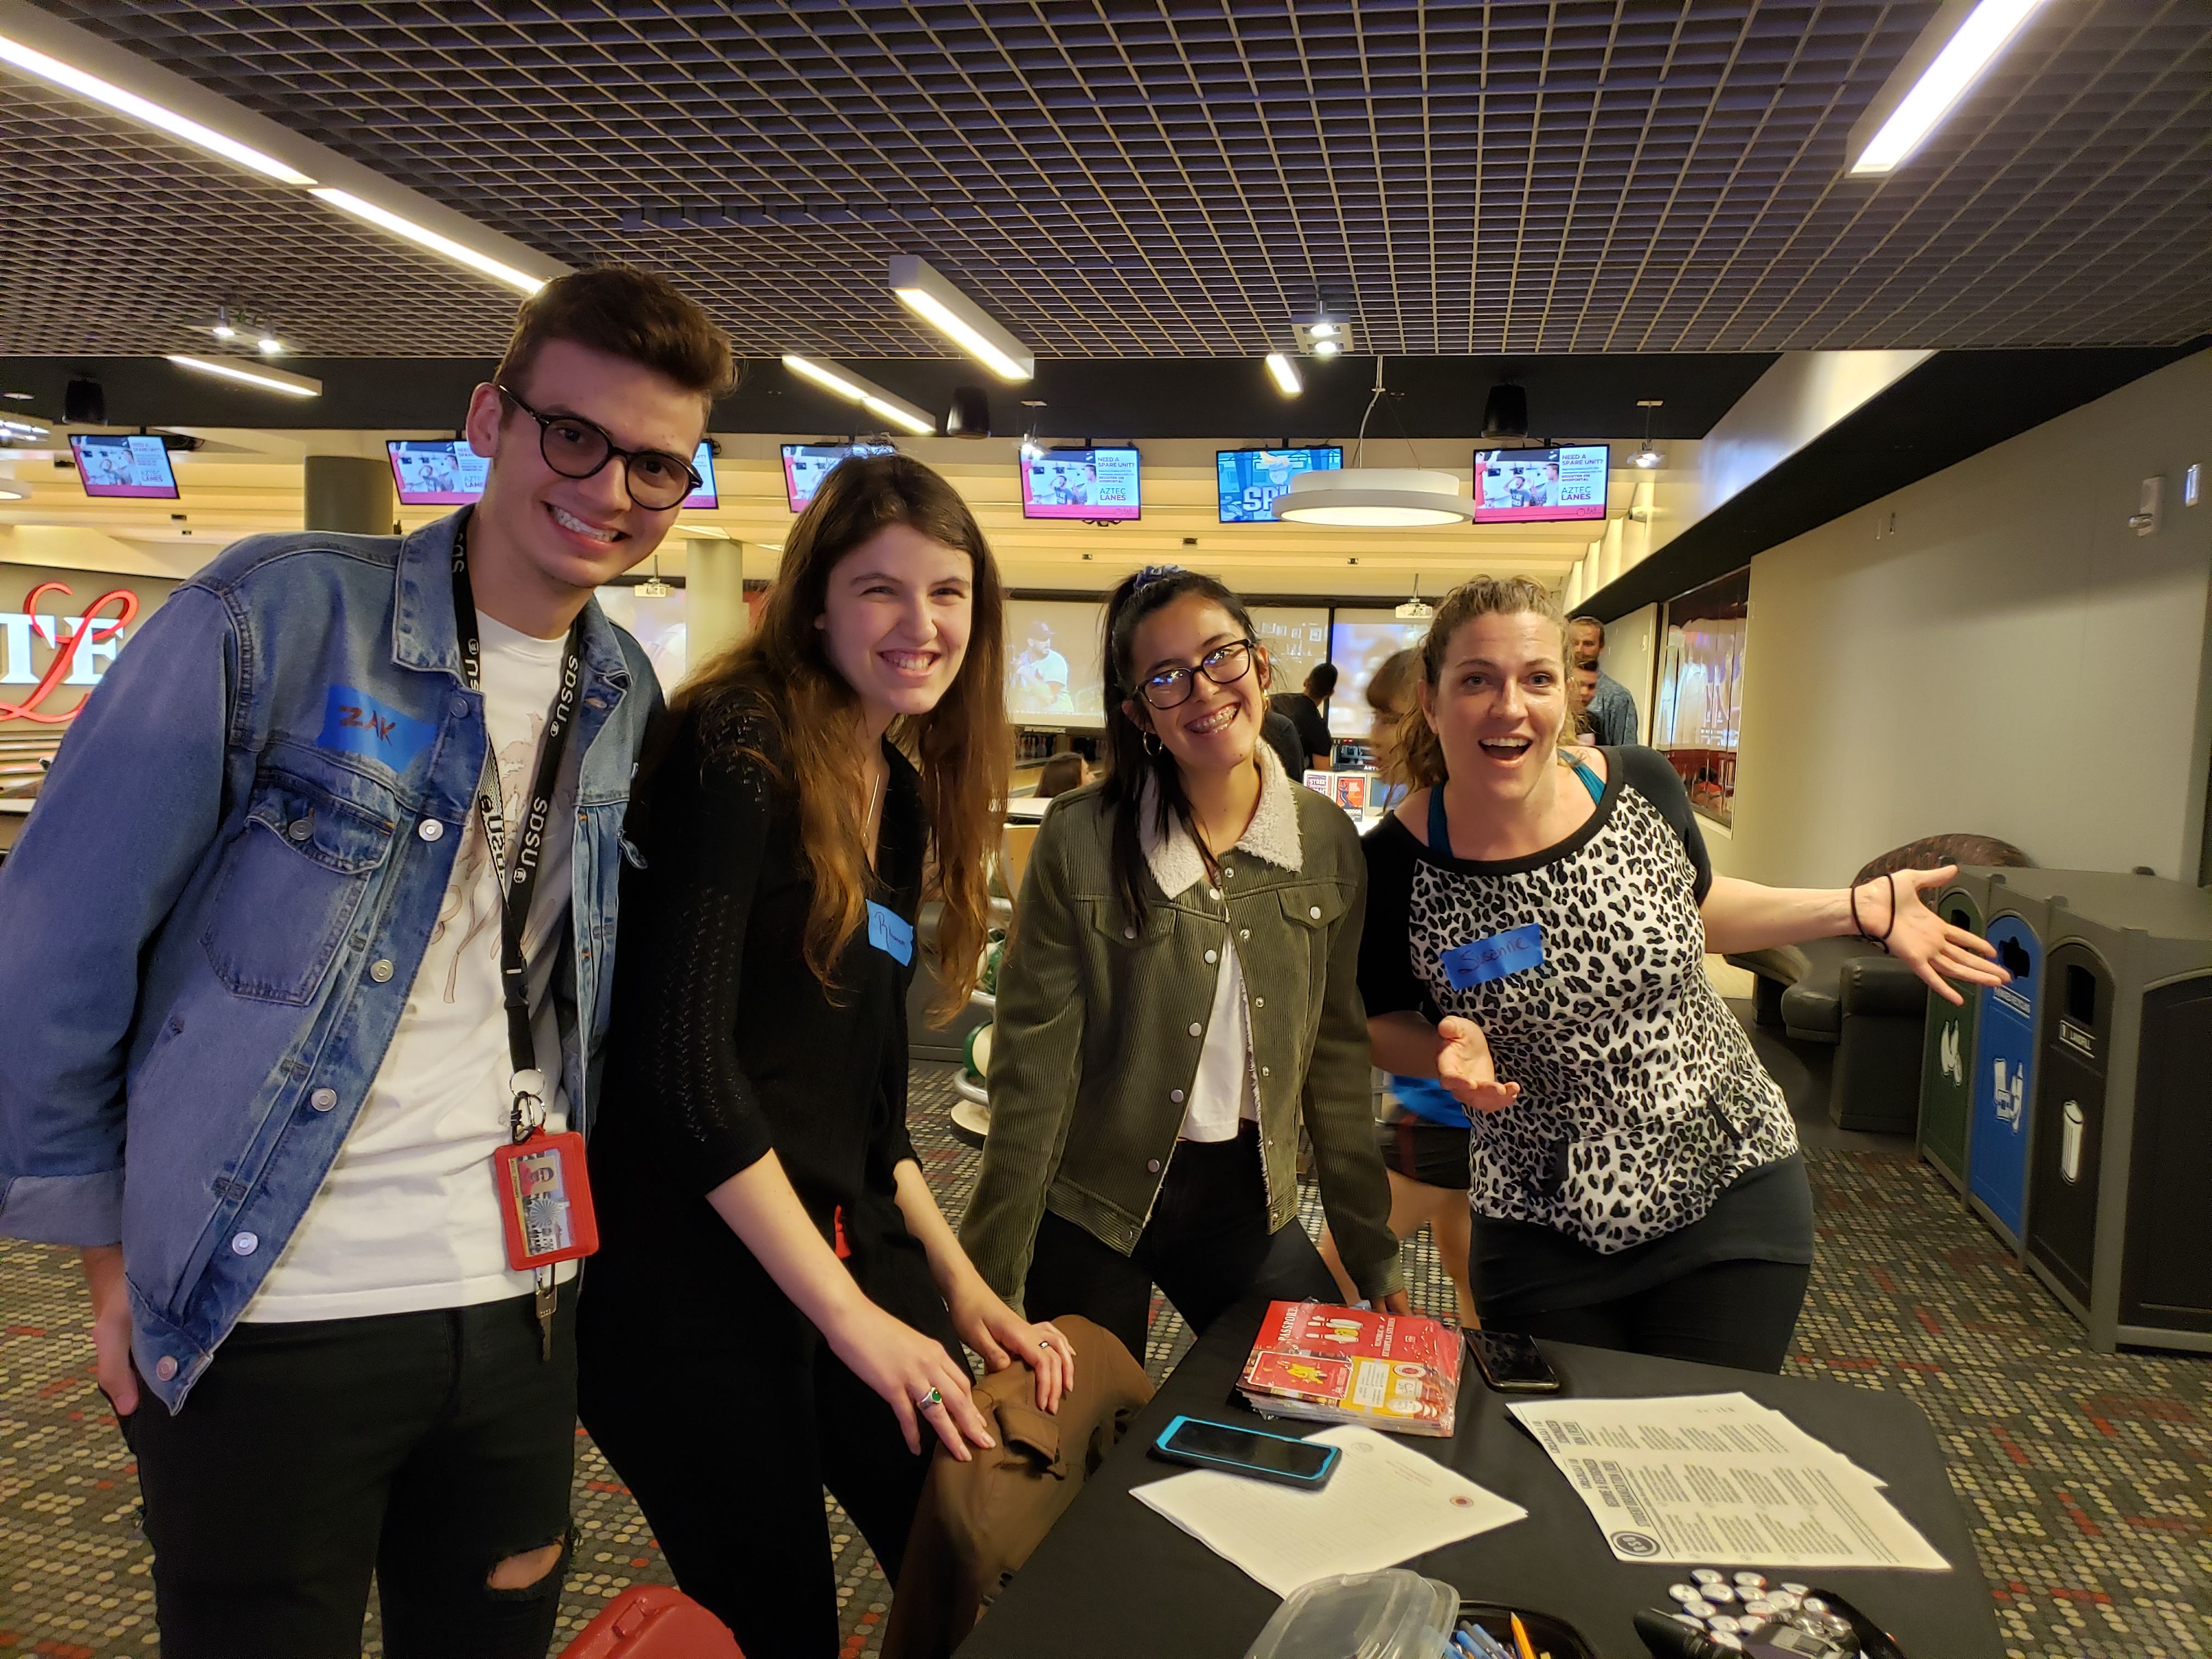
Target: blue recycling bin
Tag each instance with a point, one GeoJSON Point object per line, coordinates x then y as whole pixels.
{"type": "Point", "coordinates": [2004, 1055]}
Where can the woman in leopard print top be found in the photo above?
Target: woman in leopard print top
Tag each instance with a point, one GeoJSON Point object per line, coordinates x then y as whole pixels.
{"type": "Point", "coordinates": [1543, 915]}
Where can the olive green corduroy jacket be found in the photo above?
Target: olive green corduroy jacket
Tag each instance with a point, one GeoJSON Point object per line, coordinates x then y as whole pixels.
{"type": "Point", "coordinates": [1101, 1022]}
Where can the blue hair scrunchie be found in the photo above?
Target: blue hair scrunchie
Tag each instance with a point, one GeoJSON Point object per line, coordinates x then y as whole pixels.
{"type": "Point", "coordinates": [1154, 573]}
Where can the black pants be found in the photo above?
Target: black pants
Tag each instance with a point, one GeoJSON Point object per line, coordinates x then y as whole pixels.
{"type": "Point", "coordinates": [1729, 1313]}
{"type": "Point", "coordinates": [428, 1447]}
{"type": "Point", "coordinates": [1206, 1246]}
{"type": "Point", "coordinates": [726, 1436]}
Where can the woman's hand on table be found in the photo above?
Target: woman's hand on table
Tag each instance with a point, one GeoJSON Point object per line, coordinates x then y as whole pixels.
{"type": "Point", "coordinates": [1000, 1336]}
{"type": "Point", "coordinates": [1464, 1067]}
{"type": "Point", "coordinates": [1929, 945]}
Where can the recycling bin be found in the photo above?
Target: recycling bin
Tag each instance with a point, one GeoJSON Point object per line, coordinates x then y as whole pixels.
{"type": "Point", "coordinates": [2005, 1040]}
{"type": "Point", "coordinates": [1947, 1050]}
{"type": "Point", "coordinates": [2118, 1215]}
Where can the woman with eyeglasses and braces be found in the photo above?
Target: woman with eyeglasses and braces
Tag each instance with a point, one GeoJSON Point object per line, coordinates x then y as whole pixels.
{"type": "Point", "coordinates": [1179, 996]}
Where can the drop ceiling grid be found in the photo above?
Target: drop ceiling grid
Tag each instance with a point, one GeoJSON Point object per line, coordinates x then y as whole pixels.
{"type": "Point", "coordinates": [1176, 180]}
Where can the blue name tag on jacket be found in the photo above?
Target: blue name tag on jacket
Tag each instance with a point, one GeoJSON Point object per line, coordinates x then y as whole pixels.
{"type": "Point", "coordinates": [891, 933]}
{"type": "Point", "coordinates": [1480, 960]}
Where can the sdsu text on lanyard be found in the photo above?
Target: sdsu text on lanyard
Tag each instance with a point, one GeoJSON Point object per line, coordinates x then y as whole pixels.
{"type": "Point", "coordinates": [545, 1195]}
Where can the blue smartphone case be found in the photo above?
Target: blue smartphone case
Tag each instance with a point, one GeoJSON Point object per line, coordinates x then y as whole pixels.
{"type": "Point", "coordinates": [1162, 1450]}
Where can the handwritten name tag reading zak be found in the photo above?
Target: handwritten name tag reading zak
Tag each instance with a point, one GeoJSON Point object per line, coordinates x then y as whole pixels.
{"type": "Point", "coordinates": [1480, 960]}
{"type": "Point", "coordinates": [891, 933]}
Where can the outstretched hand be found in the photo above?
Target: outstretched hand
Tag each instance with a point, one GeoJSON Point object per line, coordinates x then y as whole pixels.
{"type": "Point", "coordinates": [1931, 946]}
{"type": "Point", "coordinates": [1464, 1067]}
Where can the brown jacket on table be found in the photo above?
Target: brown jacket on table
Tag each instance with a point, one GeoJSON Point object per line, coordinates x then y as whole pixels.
{"type": "Point", "coordinates": [978, 1520]}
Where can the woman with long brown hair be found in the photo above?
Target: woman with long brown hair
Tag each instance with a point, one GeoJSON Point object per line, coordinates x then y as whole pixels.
{"type": "Point", "coordinates": [777, 1304]}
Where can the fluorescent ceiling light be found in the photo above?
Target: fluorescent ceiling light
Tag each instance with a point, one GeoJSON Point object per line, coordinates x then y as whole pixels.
{"type": "Point", "coordinates": [425, 237]}
{"type": "Point", "coordinates": [254, 374]}
{"type": "Point", "coordinates": [1375, 498]}
{"type": "Point", "coordinates": [1944, 63]}
{"type": "Point", "coordinates": [153, 114]}
{"type": "Point", "coordinates": [926, 292]}
{"type": "Point", "coordinates": [870, 396]}
{"type": "Point", "coordinates": [1286, 374]}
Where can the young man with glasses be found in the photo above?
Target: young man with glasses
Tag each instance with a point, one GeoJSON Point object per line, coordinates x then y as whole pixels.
{"type": "Point", "coordinates": [301, 1082]}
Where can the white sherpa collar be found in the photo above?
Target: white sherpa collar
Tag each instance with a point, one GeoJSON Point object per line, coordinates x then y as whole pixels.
{"type": "Point", "coordinates": [1273, 835]}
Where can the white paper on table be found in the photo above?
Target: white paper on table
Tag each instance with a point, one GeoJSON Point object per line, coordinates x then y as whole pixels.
{"type": "Point", "coordinates": [1719, 1477]}
{"type": "Point", "coordinates": [1386, 1503]}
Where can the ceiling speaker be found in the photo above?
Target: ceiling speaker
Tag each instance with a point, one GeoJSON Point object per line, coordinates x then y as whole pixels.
{"type": "Point", "coordinates": [971, 414]}
{"type": "Point", "coordinates": [1505, 412]}
{"type": "Point", "coordinates": [83, 404]}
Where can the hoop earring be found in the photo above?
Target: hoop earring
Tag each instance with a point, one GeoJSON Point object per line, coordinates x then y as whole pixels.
{"type": "Point", "coordinates": [1151, 740]}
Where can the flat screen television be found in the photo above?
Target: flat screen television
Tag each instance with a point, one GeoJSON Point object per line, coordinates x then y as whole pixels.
{"type": "Point", "coordinates": [1359, 643]}
{"type": "Point", "coordinates": [1252, 479]}
{"type": "Point", "coordinates": [447, 472]}
{"type": "Point", "coordinates": [1540, 486]}
{"type": "Point", "coordinates": [1081, 483]}
{"type": "Point", "coordinates": [435, 472]}
{"type": "Point", "coordinates": [1054, 675]}
{"type": "Point", "coordinates": [805, 465]}
{"type": "Point", "coordinates": [135, 466]}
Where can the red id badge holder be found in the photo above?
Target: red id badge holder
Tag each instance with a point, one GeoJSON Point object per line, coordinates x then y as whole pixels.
{"type": "Point", "coordinates": [545, 1200]}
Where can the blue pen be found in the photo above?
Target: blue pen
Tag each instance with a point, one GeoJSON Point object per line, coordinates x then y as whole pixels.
{"type": "Point", "coordinates": [1460, 1645]}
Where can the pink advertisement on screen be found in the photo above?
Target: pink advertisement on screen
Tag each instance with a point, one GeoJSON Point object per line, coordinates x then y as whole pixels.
{"type": "Point", "coordinates": [1081, 483]}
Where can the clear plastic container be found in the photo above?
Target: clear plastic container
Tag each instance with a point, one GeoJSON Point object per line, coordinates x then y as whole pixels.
{"type": "Point", "coordinates": [1395, 1615]}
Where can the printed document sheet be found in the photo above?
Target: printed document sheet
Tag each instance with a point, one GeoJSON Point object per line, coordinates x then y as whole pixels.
{"type": "Point", "coordinates": [1385, 1504]}
{"type": "Point", "coordinates": [1721, 1478]}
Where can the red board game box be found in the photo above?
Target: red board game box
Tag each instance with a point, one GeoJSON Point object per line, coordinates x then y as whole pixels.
{"type": "Point", "coordinates": [1393, 1371]}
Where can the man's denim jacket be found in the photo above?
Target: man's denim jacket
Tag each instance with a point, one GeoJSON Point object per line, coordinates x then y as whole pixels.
{"type": "Point", "coordinates": [209, 924]}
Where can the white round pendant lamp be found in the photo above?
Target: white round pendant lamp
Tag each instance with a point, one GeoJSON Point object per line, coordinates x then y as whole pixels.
{"type": "Point", "coordinates": [1375, 498]}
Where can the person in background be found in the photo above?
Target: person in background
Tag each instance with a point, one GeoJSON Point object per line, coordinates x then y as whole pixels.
{"type": "Point", "coordinates": [1423, 1135]}
{"type": "Point", "coordinates": [1581, 689]}
{"type": "Point", "coordinates": [1612, 708]}
{"type": "Point", "coordinates": [263, 1083]}
{"type": "Point", "coordinates": [1306, 712]}
{"type": "Point", "coordinates": [1543, 916]}
{"type": "Point", "coordinates": [1280, 733]}
{"type": "Point", "coordinates": [1059, 773]}
{"type": "Point", "coordinates": [778, 1305]}
{"type": "Point", "coordinates": [1178, 997]}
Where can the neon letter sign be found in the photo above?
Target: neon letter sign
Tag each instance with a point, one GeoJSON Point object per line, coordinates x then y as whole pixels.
{"type": "Point", "coordinates": [92, 634]}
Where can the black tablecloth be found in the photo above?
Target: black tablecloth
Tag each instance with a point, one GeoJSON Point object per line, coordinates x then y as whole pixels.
{"type": "Point", "coordinates": [1116, 1581]}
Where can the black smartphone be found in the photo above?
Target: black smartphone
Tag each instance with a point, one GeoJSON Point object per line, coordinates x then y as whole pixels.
{"type": "Point", "coordinates": [1204, 1445]}
{"type": "Point", "coordinates": [1512, 1364]}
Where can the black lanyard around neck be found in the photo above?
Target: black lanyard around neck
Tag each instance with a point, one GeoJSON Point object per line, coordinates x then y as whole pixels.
{"type": "Point", "coordinates": [518, 885]}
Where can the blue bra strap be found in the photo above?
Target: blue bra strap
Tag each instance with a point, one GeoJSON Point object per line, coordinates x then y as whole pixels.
{"type": "Point", "coordinates": [1591, 782]}
{"type": "Point", "coordinates": [1440, 826]}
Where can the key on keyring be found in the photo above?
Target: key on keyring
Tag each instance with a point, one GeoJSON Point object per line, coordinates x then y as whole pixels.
{"type": "Point", "coordinates": [548, 1297]}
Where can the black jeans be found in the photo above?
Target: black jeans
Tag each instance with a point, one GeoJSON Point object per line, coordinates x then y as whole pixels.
{"type": "Point", "coordinates": [726, 1421]}
{"type": "Point", "coordinates": [426, 1447]}
{"type": "Point", "coordinates": [1727, 1313]}
{"type": "Point", "coordinates": [1206, 1246]}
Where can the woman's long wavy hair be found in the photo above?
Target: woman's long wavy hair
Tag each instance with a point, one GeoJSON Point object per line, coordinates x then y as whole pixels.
{"type": "Point", "coordinates": [1128, 763]}
{"type": "Point", "coordinates": [1417, 754]}
{"type": "Point", "coordinates": [962, 747]}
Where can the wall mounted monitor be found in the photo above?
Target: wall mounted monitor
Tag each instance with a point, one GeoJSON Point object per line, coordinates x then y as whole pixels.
{"type": "Point", "coordinates": [1252, 479]}
{"type": "Point", "coordinates": [435, 472]}
{"type": "Point", "coordinates": [1297, 638]}
{"type": "Point", "coordinates": [702, 463]}
{"type": "Point", "coordinates": [662, 626]}
{"type": "Point", "coordinates": [1540, 486]}
{"type": "Point", "coordinates": [1081, 483]}
{"type": "Point", "coordinates": [805, 465]}
{"type": "Point", "coordinates": [137, 465]}
{"type": "Point", "coordinates": [1053, 672]}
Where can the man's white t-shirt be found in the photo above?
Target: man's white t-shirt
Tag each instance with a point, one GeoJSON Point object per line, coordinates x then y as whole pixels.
{"type": "Point", "coordinates": [408, 1217]}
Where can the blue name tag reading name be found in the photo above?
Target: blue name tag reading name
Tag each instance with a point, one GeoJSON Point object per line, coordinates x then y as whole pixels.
{"type": "Point", "coordinates": [891, 933]}
{"type": "Point", "coordinates": [357, 724]}
{"type": "Point", "coordinates": [1480, 960]}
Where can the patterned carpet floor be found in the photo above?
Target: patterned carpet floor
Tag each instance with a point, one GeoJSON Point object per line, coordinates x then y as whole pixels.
{"type": "Point", "coordinates": [2087, 1477]}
